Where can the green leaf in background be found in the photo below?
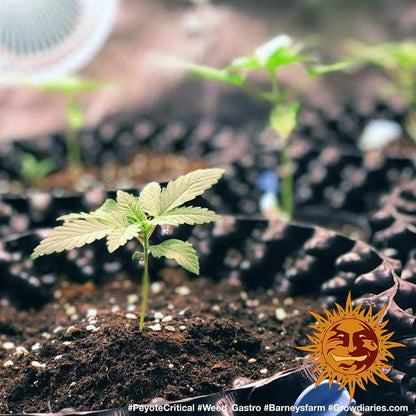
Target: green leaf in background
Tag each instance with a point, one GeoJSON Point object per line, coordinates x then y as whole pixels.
{"type": "Point", "coordinates": [243, 63]}
{"type": "Point", "coordinates": [279, 51]}
{"type": "Point", "coordinates": [34, 169]}
{"type": "Point", "coordinates": [397, 59]}
{"type": "Point", "coordinates": [390, 55]}
{"type": "Point", "coordinates": [207, 72]}
{"type": "Point", "coordinates": [182, 252]}
{"type": "Point", "coordinates": [318, 70]}
{"type": "Point", "coordinates": [283, 119]}
{"type": "Point", "coordinates": [186, 215]}
{"type": "Point", "coordinates": [70, 85]}
{"type": "Point", "coordinates": [74, 116]}
{"type": "Point", "coordinates": [405, 53]}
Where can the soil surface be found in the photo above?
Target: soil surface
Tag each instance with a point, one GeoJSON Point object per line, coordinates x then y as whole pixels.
{"type": "Point", "coordinates": [84, 351]}
{"type": "Point", "coordinates": [144, 166]}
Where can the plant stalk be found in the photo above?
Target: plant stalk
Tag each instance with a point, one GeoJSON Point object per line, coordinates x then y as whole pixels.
{"type": "Point", "coordinates": [74, 121]}
{"type": "Point", "coordinates": [275, 89]}
{"type": "Point", "coordinates": [287, 174]}
{"type": "Point", "coordinates": [287, 182]}
{"type": "Point", "coordinates": [145, 281]}
{"type": "Point", "coordinates": [73, 150]}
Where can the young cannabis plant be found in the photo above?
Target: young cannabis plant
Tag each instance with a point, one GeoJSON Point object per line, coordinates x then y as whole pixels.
{"type": "Point", "coordinates": [74, 114]}
{"type": "Point", "coordinates": [130, 217]}
{"type": "Point", "coordinates": [270, 57]}
{"type": "Point", "coordinates": [398, 61]}
{"type": "Point", "coordinates": [33, 170]}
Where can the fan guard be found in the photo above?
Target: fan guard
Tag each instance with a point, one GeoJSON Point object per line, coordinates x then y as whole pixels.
{"type": "Point", "coordinates": [45, 39]}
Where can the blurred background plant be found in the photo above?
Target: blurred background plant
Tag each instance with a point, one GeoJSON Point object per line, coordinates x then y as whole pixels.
{"type": "Point", "coordinates": [70, 88]}
{"type": "Point", "coordinates": [277, 53]}
{"type": "Point", "coordinates": [212, 32]}
{"type": "Point", "coordinates": [398, 61]}
{"type": "Point", "coordinates": [34, 171]}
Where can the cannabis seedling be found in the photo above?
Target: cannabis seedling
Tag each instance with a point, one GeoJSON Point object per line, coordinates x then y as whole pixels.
{"type": "Point", "coordinates": [271, 56]}
{"type": "Point", "coordinates": [74, 114]}
{"type": "Point", "coordinates": [398, 61]}
{"type": "Point", "coordinates": [130, 217]}
{"type": "Point", "coordinates": [33, 171]}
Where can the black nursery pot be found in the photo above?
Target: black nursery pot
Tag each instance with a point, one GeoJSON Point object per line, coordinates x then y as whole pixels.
{"type": "Point", "coordinates": [113, 141]}
{"type": "Point", "coordinates": [329, 171]}
{"type": "Point", "coordinates": [280, 391]}
{"type": "Point", "coordinates": [333, 186]}
{"type": "Point", "coordinates": [343, 124]}
{"type": "Point", "coordinates": [289, 258]}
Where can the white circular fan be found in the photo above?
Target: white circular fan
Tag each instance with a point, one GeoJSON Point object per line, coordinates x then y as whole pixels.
{"type": "Point", "coordinates": [45, 39]}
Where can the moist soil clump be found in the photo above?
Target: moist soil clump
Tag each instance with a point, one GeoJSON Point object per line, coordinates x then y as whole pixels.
{"type": "Point", "coordinates": [84, 350]}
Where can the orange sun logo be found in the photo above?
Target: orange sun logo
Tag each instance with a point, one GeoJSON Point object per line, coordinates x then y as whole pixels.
{"type": "Point", "coordinates": [350, 346]}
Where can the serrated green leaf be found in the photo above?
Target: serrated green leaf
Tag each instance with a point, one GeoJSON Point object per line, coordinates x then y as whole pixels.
{"type": "Point", "coordinates": [318, 70]}
{"type": "Point", "coordinates": [120, 235]}
{"type": "Point", "coordinates": [186, 215]}
{"type": "Point", "coordinates": [149, 198]}
{"type": "Point", "coordinates": [130, 206]}
{"type": "Point", "coordinates": [180, 251]}
{"type": "Point", "coordinates": [187, 187]}
{"type": "Point", "coordinates": [283, 119]}
{"type": "Point", "coordinates": [109, 206]}
{"type": "Point", "coordinates": [75, 216]}
{"type": "Point", "coordinates": [73, 234]}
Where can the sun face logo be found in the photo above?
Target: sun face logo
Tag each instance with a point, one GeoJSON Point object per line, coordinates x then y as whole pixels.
{"type": "Point", "coordinates": [350, 346]}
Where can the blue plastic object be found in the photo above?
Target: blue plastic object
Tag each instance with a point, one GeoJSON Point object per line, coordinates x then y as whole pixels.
{"type": "Point", "coordinates": [268, 182]}
{"type": "Point", "coordinates": [334, 402]}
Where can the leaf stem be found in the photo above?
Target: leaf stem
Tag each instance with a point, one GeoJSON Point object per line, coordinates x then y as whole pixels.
{"type": "Point", "coordinates": [72, 141]}
{"type": "Point", "coordinates": [145, 281]}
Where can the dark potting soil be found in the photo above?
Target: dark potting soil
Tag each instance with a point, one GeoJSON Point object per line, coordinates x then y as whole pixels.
{"type": "Point", "coordinates": [84, 351]}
